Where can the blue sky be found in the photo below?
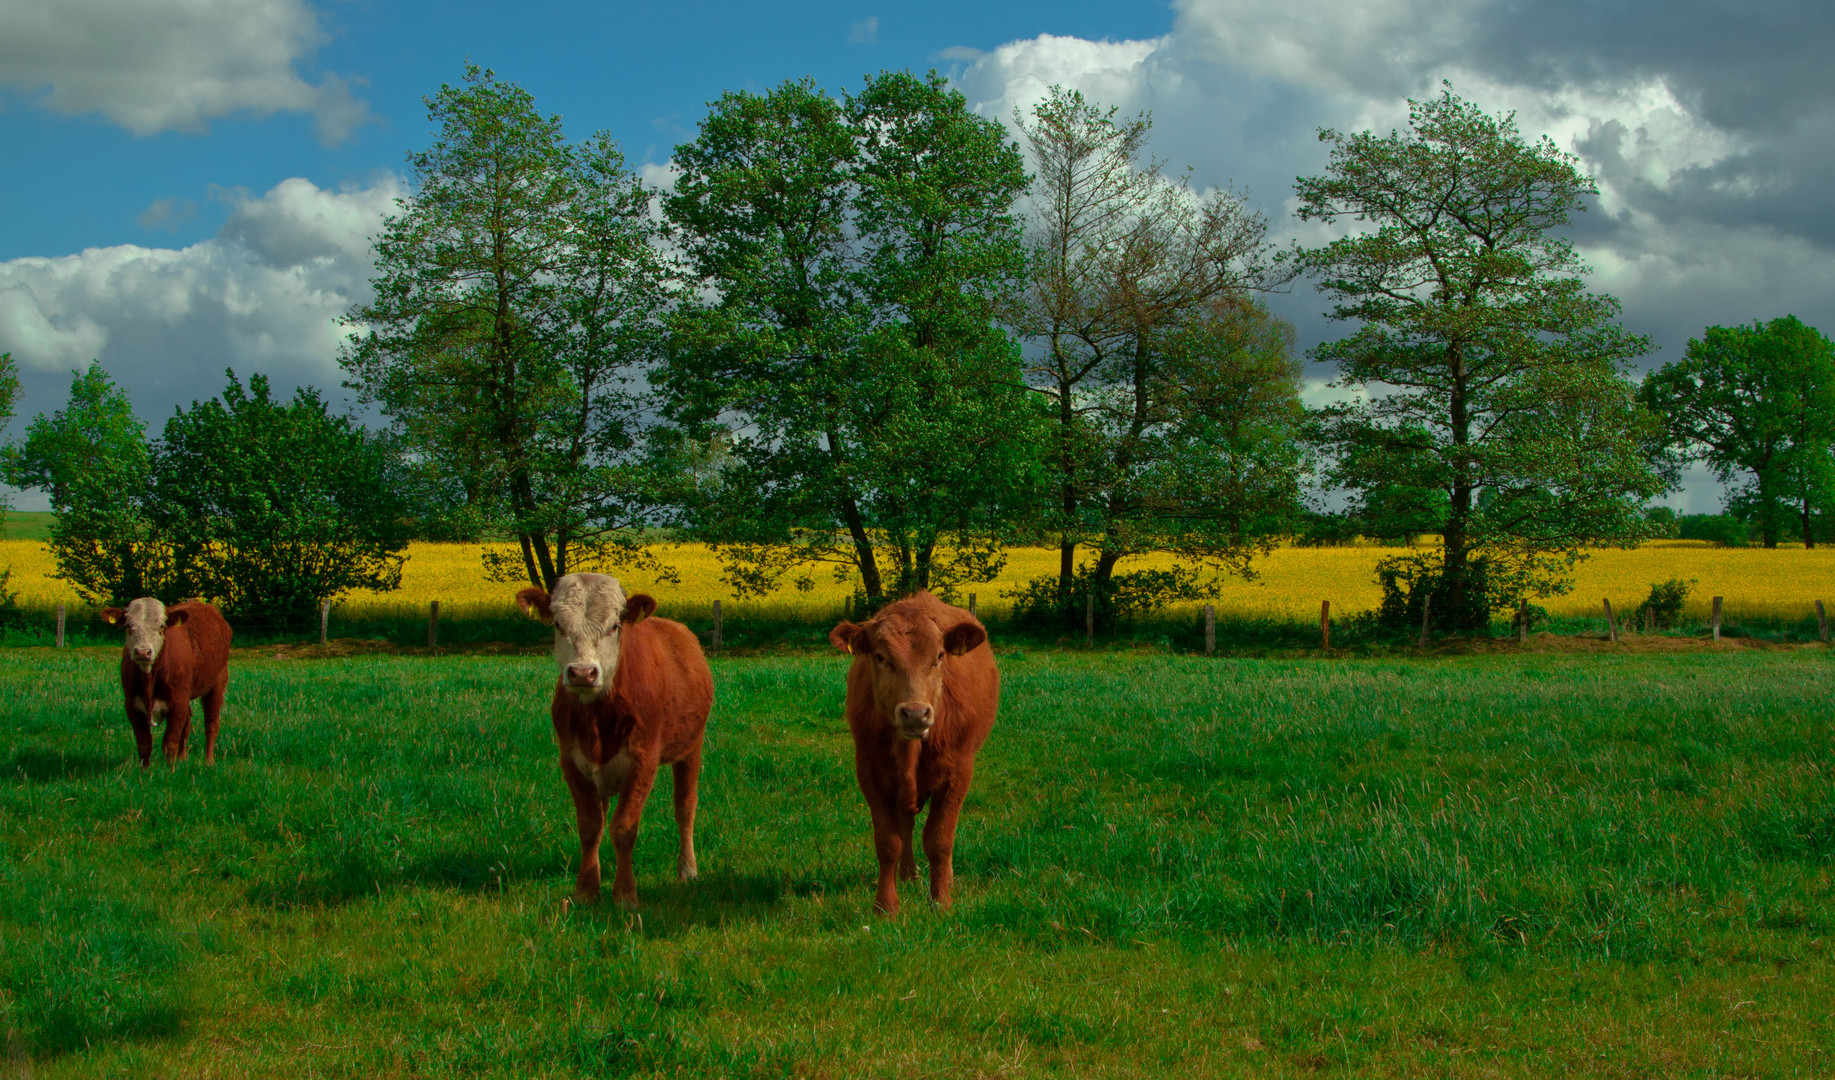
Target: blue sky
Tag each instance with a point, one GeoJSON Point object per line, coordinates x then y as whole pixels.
{"type": "Point", "coordinates": [641, 71]}
{"type": "Point", "coordinates": [192, 183]}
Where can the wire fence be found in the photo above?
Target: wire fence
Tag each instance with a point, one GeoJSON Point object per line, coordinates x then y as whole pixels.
{"type": "Point", "coordinates": [731, 626]}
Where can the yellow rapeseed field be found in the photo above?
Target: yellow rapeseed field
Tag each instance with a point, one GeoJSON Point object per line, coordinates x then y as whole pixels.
{"type": "Point", "coordinates": [1292, 581]}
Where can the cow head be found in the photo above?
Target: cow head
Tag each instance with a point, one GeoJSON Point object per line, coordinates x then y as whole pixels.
{"type": "Point", "coordinates": [906, 653]}
{"type": "Point", "coordinates": [589, 613]}
{"type": "Point", "coordinates": [147, 622]}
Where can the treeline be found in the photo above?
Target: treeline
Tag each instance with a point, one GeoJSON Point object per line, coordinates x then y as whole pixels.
{"type": "Point", "coordinates": [876, 336]}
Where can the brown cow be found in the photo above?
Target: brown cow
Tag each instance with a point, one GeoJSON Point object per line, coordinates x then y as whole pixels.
{"type": "Point", "coordinates": [921, 697]}
{"type": "Point", "coordinates": [173, 655]}
{"type": "Point", "coordinates": [633, 694]}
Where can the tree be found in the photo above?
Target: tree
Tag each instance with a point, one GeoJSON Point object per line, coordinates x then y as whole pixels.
{"type": "Point", "coordinates": [92, 458]}
{"type": "Point", "coordinates": [1757, 403]}
{"type": "Point", "coordinates": [849, 356]}
{"type": "Point", "coordinates": [1173, 395]}
{"type": "Point", "coordinates": [9, 397]}
{"type": "Point", "coordinates": [1498, 378]}
{"type": "Point", "coordinates": [274, 506]}
{"type": "Point", "coordinates": [518, 307]}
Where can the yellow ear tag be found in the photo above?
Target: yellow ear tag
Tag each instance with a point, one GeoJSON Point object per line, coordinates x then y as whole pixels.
{"type": "Point", "coordinates": [850, 648]}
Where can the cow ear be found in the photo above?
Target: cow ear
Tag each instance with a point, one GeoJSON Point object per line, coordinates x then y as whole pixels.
{"type": "Point", "coordinates": [112, 615]}
{"type": "Point", "coordinates": [638, 607]}
{"type": "Point", "coordinates": [963, 637]}
{"type": "Point", "coordinates": [175, 618]}
{"type": "Point", "coordinates": [846, 636]}
{"type": "Point", "coordinates": [535, 602]}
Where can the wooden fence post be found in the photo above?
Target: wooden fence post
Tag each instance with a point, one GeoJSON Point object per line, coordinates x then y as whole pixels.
{"type": "Point", "coordinates": [1715, 618]}
{"type": "Point", "coordinates": [716, 626]}
{"type": "Point", "coordinates": [971, 604]}
{"type": "Point", "coordinates": [60, 624]}
{"type": "Point", "coordinates": [1089, 619]}
{"type": "Point", "coordinates": [433, 623]}
{"type": "Point", "coordinates": [324, 618]}
{"type": "Point", "coordinates": [1427, 606]}
{"type": "Point", "coordinates": [1650, 618]}
{"type": "Point", "coordinates": [1325, 625]}
{"type": "Point", "coordinates": [1522, 622]}
{"type": "Point", "coordinates": [1210, 629]}
{"type": "Point", "coordinates": [1611, 623]}
{"type": "Point", "coordinates": [1822, 622]}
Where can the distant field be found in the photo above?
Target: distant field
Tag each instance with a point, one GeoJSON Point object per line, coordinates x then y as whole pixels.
{"type": "Point", "coordinates": [1292, 581]}
{"type": "Point", "coordinates": [20, 525]}
{"type": "Point", "coordinates": [1493, 866]}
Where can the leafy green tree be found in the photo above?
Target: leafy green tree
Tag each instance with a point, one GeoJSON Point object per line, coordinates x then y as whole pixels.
{"type": "Point", "coordinates": [850, 357]}
{"type": "Point", "coordinates": [92, 458]}
{"type": "Point", "coordinates": [1499, 377]}
{"type": "Point", "coordinates": [519, 296]}
{"type": "Point", "coordinates": [1757, 403]}
{"type": "Point", "coordinates": [274, 506]}
{"type": "Point", "coordinates": [1173, 392]}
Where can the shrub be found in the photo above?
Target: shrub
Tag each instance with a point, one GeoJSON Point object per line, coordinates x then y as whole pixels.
{"type": "Point", "coordinates": [1665, 602]}
{"type": "Point", "coordinates": [1721, 529]}
{"type": "Point", "coordinates": [1126, 596]}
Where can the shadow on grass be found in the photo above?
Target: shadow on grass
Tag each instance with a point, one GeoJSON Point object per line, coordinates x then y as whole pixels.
{"type": "Point", "coordinates": [669, 908]}
{"type": "Point", "coordinates": [39, 764]}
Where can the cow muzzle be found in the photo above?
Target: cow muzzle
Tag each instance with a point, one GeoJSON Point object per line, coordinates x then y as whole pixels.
{"type": "Point", "coordinates": [582, 678]}
{"type": "Point", "coordinates": [143, 658]}
{"type": "Point", "coordinates": [914, 720]}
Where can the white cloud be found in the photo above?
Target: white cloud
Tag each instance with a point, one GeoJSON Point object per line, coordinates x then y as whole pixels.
{"type": "Point", "coordinates": [864, 32]}
{"type": "Point", "coordinates": [172, 65]}
{"type": "Point", "coordinates": [265, 294]}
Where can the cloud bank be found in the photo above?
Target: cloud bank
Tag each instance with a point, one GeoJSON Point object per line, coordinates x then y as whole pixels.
{"type": "Point", "coordinates": [1708, 127]}
{"type": "Point", "coordinates": [172, 65]}
{"type": "Point", "coordinates": [264, 294]}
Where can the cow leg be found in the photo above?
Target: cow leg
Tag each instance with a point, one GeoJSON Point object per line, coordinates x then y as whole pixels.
{"type": "Point", "coordinates": [143, 730]}
{"type": "Point", "coordinates": [907, 858]}
{"type": "Point", "coordinates": [589, 816]}
{"type": "Point", "coordinates": [178, 726]}
{"type": "Point", "coordinates": [890, 844]}
{"type": "Point", "coordinates": [213, 715]}
{"type": "Point", "coordinates": [687, 787]}
{"type": "Point", "coordinates": [624, 830]}
{"type": "Point", "coordinates": [940, 837]}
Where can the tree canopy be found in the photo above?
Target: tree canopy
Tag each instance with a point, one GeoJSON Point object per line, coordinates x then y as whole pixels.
{"type": "Point", "coordinates": [855, 252]}
{"type": "Point", "coordinates": [1757, 403]}
{"type": "Point", "coordinates": [518, 307]}
{"type": "Point", "coordinates": [1493, 375]}
{"type": "Point", "coordinates": [1172, 393]}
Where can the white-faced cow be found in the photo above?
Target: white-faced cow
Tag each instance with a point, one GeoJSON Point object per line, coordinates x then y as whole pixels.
{"type": "Point", "coordinates": [633, 694]}
{"type": "Point", "coordinates": [173, 656]}
{"type": "Point", "coordinates": [921, 698]}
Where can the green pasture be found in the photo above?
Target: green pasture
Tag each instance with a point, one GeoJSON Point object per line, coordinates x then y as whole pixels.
{"type": "Point", "coordinates": [1517, 865]}
{"type": "Point", "coordinates": [26, 525]}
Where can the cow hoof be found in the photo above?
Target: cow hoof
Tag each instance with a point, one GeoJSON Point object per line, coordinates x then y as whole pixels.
{"type": "Point", "coordinates": [628, 903]}
{"type": "Point", "coordinates": [687, 874]}
{"type": "Point", "coordinates": [582, 898]}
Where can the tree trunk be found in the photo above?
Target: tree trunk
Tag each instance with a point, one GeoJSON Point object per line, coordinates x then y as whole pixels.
{"type": "Point", "coordinates": [926, 553]}
{"type": "Point", "coordinates": [863, 550]}
{"type": "Point", "coordinates": [522, 501]}
{"type": "Point", "coordinates": [1809, 534]}
{"type": "Point", "coordinates": [1455, 539]}
{"type": "Point", "coordinates": [1067, 545]}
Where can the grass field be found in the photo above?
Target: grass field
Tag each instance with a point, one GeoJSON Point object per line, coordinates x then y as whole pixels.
{"type": "Point", "coordinates": [1508, 865]}
{"type": "Point", "coordinates": [26, 525]}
